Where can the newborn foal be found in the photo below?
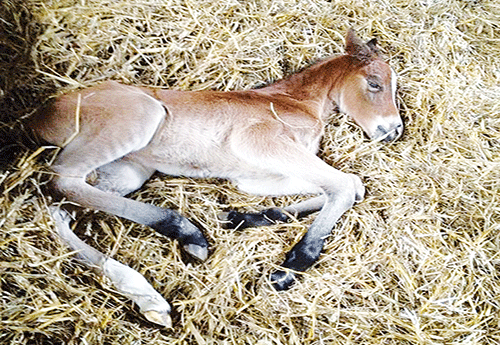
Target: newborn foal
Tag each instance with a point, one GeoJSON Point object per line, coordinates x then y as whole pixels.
{"type": "Point", "coordinates": [264, 140]}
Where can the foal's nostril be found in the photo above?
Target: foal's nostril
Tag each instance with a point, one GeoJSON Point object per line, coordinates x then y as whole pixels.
{"type": "Point", "coordinates": [390, 135]}
{"type": "Point", "coordinates": [398, 130]}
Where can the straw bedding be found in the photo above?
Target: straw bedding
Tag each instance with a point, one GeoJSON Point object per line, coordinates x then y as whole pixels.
{"type": "Point", "coordinates": [415, 263]}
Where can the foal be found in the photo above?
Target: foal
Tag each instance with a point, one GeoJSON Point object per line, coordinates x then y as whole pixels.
{"type": "Point", "coordinates": [264, 140]}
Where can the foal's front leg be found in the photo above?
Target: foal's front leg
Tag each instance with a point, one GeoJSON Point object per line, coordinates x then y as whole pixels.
{"type": "Point", "coordinates": [305, 253]}
{"type": "Point", "coordinates": [298, 171]}
{"type": "Point", "coordinates": [242, 220]}
{"type": "Point", "coordinates": [339, 197]}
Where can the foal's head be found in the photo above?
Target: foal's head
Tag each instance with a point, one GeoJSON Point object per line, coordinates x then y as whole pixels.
{"type": "Point", "coordinates": [368, 91]}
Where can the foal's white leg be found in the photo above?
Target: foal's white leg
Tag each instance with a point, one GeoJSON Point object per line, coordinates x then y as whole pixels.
{"type": "Point", "coordinates": [126, 280]}
{"type": "Point", "coordinates": [114, 180]}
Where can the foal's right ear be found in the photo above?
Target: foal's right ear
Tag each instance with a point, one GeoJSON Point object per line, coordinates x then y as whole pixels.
{"type": "Point", "coordinates": [357, 48]}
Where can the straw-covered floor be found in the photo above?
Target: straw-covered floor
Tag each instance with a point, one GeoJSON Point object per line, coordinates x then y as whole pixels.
{"type": "Point", "coordinates": [417, 262]}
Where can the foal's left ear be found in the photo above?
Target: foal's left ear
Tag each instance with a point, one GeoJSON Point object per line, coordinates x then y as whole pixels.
{"type": "Point", "coordinates": [357, 48]}
{"type": "Point", "coordinates": [372, 44]}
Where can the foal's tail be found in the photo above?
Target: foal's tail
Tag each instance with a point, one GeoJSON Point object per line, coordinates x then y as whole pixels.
{"type": "Point", "coordinates": [126, 280]}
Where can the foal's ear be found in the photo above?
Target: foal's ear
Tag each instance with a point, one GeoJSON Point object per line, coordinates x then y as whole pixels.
{"type": "Point", "coordinates": [372, 44]}
{"type": "Point", "coordinates": [357, 48]}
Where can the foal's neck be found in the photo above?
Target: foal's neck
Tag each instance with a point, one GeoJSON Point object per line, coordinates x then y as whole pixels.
{"type": "Point", "coordinates": [318, 86]}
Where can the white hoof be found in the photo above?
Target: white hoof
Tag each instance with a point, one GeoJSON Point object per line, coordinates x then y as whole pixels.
{"type": "Point", "coordinates": [159, 317]}
{"type": "Point", "coordinates": [133, 285]}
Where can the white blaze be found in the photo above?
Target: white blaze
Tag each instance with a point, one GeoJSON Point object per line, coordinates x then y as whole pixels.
{"type": "Point", "coordinates": [394, 82]}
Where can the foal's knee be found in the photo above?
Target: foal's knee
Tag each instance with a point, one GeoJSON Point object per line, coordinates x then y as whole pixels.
{"type": "Point", "coordinates": [348, 189]}
{"type": "Point", "coordinates": [68, 186]}
{"type": "Point", "coordinates": [358, 188]}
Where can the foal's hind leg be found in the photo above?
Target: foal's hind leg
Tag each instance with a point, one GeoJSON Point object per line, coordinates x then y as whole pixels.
{"type": "Point", "coordinates": [108, 149]}
{"type": "Point", "coordinates": [120, 177]}
{"type": "Point", "coordinates": [126, 280]}
{"type": "Point", "coordinates": [124, 176]}
{"type": "Point", "coordinates": [113, 180]}
{"type": "Point", "coordinates": [70, 180]}
{"type": "Point", "coordinates": [116, 123]}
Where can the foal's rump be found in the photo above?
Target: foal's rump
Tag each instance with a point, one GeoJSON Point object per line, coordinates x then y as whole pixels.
{"type": "Point", "coordinates": [110, 110]}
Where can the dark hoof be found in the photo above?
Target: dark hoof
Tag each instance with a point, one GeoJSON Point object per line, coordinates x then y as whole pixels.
{"type": "Point", "coordinates": [235, 219]}
{"type": "Point", "coordinates": [196, 251]}
{"type": "Point", "coordinates": [282, 280]}
{"type": "Point", "coordinates": [275, 215]}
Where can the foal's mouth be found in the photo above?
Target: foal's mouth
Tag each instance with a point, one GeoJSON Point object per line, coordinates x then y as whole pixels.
{"type": "Point", "coordinates": [387, 135]}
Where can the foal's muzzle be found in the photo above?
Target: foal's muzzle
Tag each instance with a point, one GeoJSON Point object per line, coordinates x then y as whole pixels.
{"type": "Point", "coordinates": [390, 134]}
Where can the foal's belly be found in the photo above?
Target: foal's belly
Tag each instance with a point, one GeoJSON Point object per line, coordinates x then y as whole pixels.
{"type": "Point", "coordinates": [198, 162]}
{"type": "Point", "coordinates": [250, 178]}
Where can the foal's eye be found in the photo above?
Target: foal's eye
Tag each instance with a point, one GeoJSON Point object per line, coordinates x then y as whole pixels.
{"type": "Point", "coordinates": [374, 87]}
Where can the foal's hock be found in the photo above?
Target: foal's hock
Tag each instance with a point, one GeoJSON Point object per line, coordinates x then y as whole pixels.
{"type": "Point", "coordinates": [264, 140]}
